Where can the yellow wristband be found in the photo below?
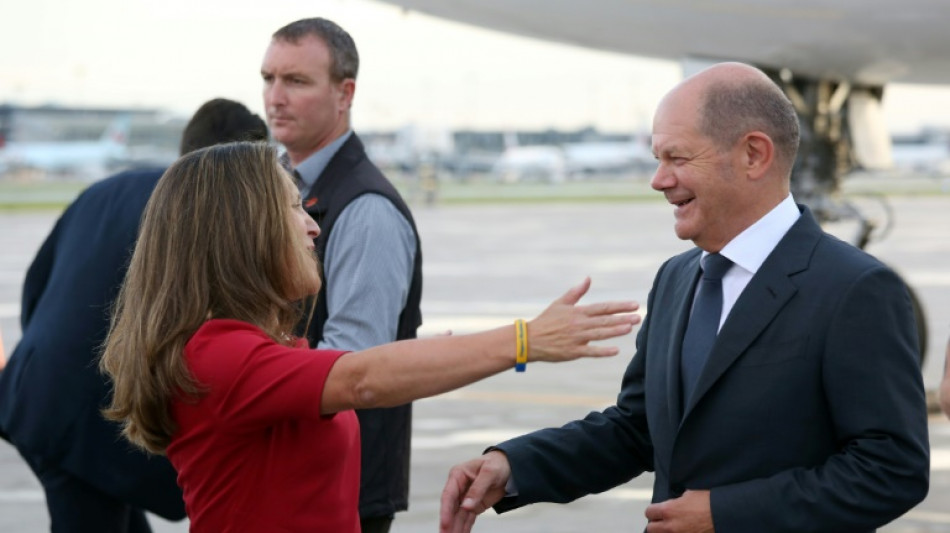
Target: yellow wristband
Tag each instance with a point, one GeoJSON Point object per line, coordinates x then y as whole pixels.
{"type": "Point", "coordinates": [521, 345]}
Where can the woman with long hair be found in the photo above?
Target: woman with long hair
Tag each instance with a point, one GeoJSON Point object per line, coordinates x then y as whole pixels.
{"type": "Point", "coordinates": [207, 369]}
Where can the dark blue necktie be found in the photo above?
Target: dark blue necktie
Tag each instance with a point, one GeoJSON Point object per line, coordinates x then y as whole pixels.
{"type": "Point", "coordinates": [299, 182]}
{"type": "Point", "coordinates": [284, 161]}
{"type": "Point", "coordinates": [703, 323]}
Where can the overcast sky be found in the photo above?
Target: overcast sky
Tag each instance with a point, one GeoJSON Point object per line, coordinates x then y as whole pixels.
{"type": "Point", "coordinates": [176, 54]}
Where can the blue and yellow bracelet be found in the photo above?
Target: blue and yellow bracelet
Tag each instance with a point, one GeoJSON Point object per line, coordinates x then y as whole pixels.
{"type": "Point", "coordinates": [521, 345]}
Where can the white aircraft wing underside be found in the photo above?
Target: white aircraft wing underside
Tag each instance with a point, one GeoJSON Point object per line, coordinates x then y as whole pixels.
{"type": "Point", "coordinates": [865, 41]}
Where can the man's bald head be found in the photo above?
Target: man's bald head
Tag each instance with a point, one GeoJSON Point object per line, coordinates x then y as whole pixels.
{"type": "Point", "coordinates": [733, 99]}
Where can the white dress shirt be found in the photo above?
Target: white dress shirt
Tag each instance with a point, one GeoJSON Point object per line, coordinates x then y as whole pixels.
{"type": "Point", "coordinates": [749, 249]}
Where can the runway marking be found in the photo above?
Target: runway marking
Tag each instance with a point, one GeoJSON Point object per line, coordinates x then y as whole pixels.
{"type": "Point", "coordinates": [436, 324]}
{"type": "Point", "coordinates": [640, 495]}
{"type": "Point", "coordinates": [482, 438]}
{"type": "Point", "coordinates": [598, 402]}
{"type": "Point", "coordinates": [939, 459]}
{"type": "Point", "coordinates": [927, 516]}
{"type": "Point", "coordinates": [929, 278]}
{"type": "Point", "coordinates": [22, 496]}
{"type": "Point", "coordinates": [9, 310]}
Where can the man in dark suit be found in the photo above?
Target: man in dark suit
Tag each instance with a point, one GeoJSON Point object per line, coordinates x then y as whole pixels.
{"type": "Point", "coordinates": [806, 412]}
{"type": "Point", "coordinates": [51, 391]}
{"type": "Point", "coordinates": [368, 243]}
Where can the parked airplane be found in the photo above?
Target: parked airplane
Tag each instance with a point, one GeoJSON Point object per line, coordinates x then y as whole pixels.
{"type": "Point", "coordinates": [531, 163]}
{"type": "Point", "coordinates": [608, 157]}
{"type": "Point", "coordinates": [410, 146]}
{"type": "Point", "coordinates": [519, 162]}
{"type": "Point", "coordinates": [572, 161]}
{"type": "Point", "coordinates": [926, 153]}
{"type": "Point", "coordinates": [833, 58]}
{"type": "Point", "coordinates": [69, 157]}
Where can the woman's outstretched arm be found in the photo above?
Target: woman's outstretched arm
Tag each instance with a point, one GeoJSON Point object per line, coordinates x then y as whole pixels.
{"type": "Point", "coordinates": [400, 372]}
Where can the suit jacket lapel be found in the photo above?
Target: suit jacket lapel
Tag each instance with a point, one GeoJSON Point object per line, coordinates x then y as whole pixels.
{"type": "Point", "coordinates": [766, 294]}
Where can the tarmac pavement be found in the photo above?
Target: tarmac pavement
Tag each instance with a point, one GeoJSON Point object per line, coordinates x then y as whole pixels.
{"type": "Point", "coordinates": [485, 265]}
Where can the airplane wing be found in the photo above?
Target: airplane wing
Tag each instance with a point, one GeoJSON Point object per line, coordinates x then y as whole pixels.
{"type": "Point", "coordinates": [867, 42]}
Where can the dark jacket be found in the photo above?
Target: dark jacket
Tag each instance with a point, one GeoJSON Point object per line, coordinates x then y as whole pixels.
{"type": "Point", "coordinates": [809, 415]}
{"type": "Point", "coordinates": [51, 391]}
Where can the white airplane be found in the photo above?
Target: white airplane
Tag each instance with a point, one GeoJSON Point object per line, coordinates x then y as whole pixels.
{"type": "Point", "coordinates": [608, 157]}
{"type": "Point", "coordinates": [558, 163]}
{"type": "Point", "coordinates": [411, 146]}
{"type": "Point", "coordinates": [545, 163]}
{"type": "Point", "coordinates": [866, 42]}
{"type": "Point", "coordinates": [555, 163]}
{"type": "Point", "coordinates": [925, 153]}
{"type": "Point", "coordinates": [539, 162]}
{"type": "Point", "coordinates": [70, 157]}
{"type": "Point", "coordinates": [833, 58]}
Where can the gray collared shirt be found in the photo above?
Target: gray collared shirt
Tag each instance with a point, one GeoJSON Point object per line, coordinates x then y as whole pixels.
{"type": "Point", "coordinates": [310, 168]}
{"type": "Point", "coordinates": [367, 265]}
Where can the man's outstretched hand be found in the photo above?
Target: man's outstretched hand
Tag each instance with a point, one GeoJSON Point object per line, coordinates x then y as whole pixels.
{"type": "Point", "coordinates": [472, 487]}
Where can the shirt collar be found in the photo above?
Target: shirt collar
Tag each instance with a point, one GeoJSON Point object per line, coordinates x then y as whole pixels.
{"type": "Point", "coordinates": [310, 168]}
{"type": "Point", "coordinates": [750, 248]}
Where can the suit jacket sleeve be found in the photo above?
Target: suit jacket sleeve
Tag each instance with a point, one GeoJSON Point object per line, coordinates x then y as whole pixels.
{"type": "Point", "coordinates": [587, 456]}
{"type": "Point", "coordinates": [38, 275]}
{"type": "Point", "coordinates": [873, 389]}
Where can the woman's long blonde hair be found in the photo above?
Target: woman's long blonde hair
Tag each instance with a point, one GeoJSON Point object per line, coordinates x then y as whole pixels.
{"type": "Point", "coordinates": [215, 242]}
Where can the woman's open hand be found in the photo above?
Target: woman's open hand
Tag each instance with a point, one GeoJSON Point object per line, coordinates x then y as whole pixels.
{"type": "Point", "coordinates": [564, 330]}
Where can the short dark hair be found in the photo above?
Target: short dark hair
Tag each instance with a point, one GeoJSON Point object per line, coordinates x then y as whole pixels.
{"type": "Point", "coordinates": [730, 109]}
{"type": "Point", "coordinates": [219, 121]}
{"type": "Point", "coordinates": [344, 60]}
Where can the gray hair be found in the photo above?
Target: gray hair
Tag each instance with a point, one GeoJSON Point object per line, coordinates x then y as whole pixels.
{"type": "Point", "coordinates": [730, 109]}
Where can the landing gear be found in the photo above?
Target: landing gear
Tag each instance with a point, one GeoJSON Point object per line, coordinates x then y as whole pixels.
{"type": "Point", "coordinates": [825, 154]}
{"type": "Point", "coordinates": [828, 152]}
